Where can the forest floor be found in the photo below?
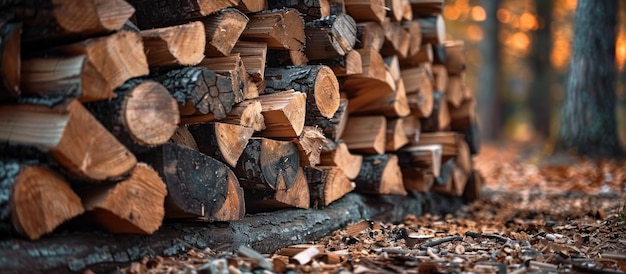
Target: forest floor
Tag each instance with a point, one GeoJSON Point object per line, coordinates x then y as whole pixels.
{"type": "Point", "coordinates": [531, 218]}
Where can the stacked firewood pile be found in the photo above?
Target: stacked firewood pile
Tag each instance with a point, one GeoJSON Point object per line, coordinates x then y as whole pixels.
{"type": "Point", "coordinates": [128, 112]}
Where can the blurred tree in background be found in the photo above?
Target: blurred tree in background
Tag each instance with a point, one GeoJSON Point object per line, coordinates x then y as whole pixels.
{"type": "Point", "coordinates": [588, 120]}
{"type": "Point", "coordinates": [533, 59]}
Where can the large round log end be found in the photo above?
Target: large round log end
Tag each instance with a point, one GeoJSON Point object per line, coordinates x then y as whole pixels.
{"type": "Point", "coordinates": [150, 114]}
{"type": "Point", "coordinates": [326, 92]}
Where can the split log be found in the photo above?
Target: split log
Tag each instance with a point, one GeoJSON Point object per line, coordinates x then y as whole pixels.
{"type": "Point", "coordinates": [455, 57]}
{"type": "Point", "coordinates": [433, 29]}
{"type": "Point", "coordinates": [415, 34]}
{"type": "Point", "coordinates": [71, 135]}
{"type": "Point", "coordinates": [395, 136]}
{"type": "Point", "coordinates": [59, 20]}
{"type": "Point", "coordinates": [270, 168]}
{"type": "Point", "coordinates": [416, 78]}
{"type": "Point", "coordinates": [333, 128]}
{"type": "Point", "coordinates": [440, 76]}
{"type": "Point", "coordinates": [246, 113]}
{"type": "Point", "coordinates": [464, 115]}
{"type": "Point", "coordinates": [198, 185]}
{"type": "Point", "coordinates": [443, 182]}
{"type": "Point", "coordinates": [265, 162]}
{"type": "Point", "coordinates": [366, 10]}
{"type": "Point", "coordinates": [337, 154]}
{"type": "Point", "coordinates": [407, 12]}
{"type": "Point", "coordinates": [318, 82]}
{"type": "Point", "coordinates": [349, 64]}
{"type": "Point", "coordinates": [133, 205]}
{"type": "Point", "coordinates": [412, 128]}
{"type": "Point", "coordinates": [10, 56]}
{"type": "Point", "coordinates": [394, 9]}
{"type": "Point", "coordinates": [311, 10]}
{"type": "Point", "coordinates": [417, 179]}
{"type": "Point", "coordinates": [35, 199]}
{"type": "Point", "coordinates": [426, 7]}
{"type": "Point", "coordinates": [183, 137]}
{"type": "Point", "coordinates": [280, 29]}
{"type": "Point", "coordinates": [222, 141]}
{"type": "Point", "coordinates": [396, 39]}
{"type": "Point", "coordinates": [392, 105]}
{"type": "Point", "coordinates": [233, 67]}
{"type": "Point", "coordinates": [249, 6]}
{"type": "Point", "coordinates": [63, 77]}
{"type": "Point", "coordinates": [143, 114]}
{"type": "Point", "coordinates": [455, 91]}
{"type": "Point", "coordinates": [253, 56]}
{"type": "Point", "coordinates": [296, 195]}
{"type": "Point", "coordinates": [427, 157]}
{"type": "Point", "coordinates": [370, 85]}
{"type": "Point", "coordinates": [473, 187]}
{"type": "Point", "coordinates": [284, 113]}
{"type": "Point", "coordinates": [329, 37]}
{"type": "Point", "coordinates": [366, 134]}
{"type": "Point", "coordinates": [380, 174]}
{"type": "Point", "coordinates": [459, 180]}
{"type": "Point", "coordinates": [392, 65]}
{"type": "Point", "coordinates": [439, 118]}
{"type": "Point", "coordinates": [181, 45]}
{"type": "Point", "coordinates": [223, 30]}
{"type": "Point", "coordinates": [108, 66]}
{"type": "Point", "coordinates": [199, 90]}
{"type": "Point", "coordinates": [153, 14]}
{"type": "Point", "coordinates": [326, 185]}
{"type": "Point", "coordinates": [471, 136]}
{"type": "Point", "coordinates": [310, 144]}
{"type": "Point", "coordinates": [447, 139]}
{"type": "Point", "coordinates": [424, 55]}
{"type": "Point", "coordinates": [422, 103]}
{"type": "Point", "coordinates": [369, 35]}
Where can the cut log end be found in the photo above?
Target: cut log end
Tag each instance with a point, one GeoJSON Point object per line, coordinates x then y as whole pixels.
{"type": "Point", "coordinates": [95, 16]}
{"type": "Point", "coordinates": [42, 200]}
{"type": "Point", "coordinates": [326, 92]}
{"type": "Point", "coordinates": [150, 114]}
{"type": "Point", "coordinates": [175, 45]}
{"type": "Point", "coordinates": [134, 205]}
{"type": "Point", "coordinates": [234, 207]}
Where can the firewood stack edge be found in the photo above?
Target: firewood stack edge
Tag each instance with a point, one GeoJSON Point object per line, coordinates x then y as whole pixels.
{"type": "Point", "coordinates": [121, 114]}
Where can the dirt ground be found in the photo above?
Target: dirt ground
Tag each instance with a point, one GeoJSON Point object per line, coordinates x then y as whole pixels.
{"type": "Point", "coordinates": [532, 218]}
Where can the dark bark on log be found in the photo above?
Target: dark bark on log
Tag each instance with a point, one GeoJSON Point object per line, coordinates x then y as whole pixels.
{"type": "Point", "coordinates": [310, 10]}
{"type": "Point", "coordinates": [318, 82]}
{"type": "Point", "coordinates": [333, 127]}
{"type": "Point", "coordinates": [197, 184]}
{"type": "Point", "coordinates": [265, 232]}
{"type": "Point", "coordinates": [329, 37]}
{"type": "Point", "coordinates": [142, 115]}
{"type": "Point", "coordinates": [380, 174]}
{"type": "Point", "coordinates": [10, 57]}
{"type": "Point", "coordinates": [59, 22]}
{"type": "Point", "coordinates": [152, 14]}
{"type": "Point", "coordinates": [224, 142]}
{"type": "Point", "coordinates": [204, 90]}
{"type": "Point", "coordinates": [265, 162]}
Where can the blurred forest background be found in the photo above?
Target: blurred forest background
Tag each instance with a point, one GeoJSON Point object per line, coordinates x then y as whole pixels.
{"type": "Point", "coordinates": [518, 54]}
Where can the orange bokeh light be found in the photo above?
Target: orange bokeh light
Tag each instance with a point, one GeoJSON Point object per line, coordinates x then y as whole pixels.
{"type": "Point", "coordinates": [478, 14]}
{"type": "Point", "coordinates": [451, 12]}
{"type": "Point", "coordinates": [528, 22]}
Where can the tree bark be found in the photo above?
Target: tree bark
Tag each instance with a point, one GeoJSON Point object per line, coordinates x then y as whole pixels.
{"type": "Point", "coordinates": [10, 57]}
{"type": "Point", "coordinates": [588, 120]}
{"type": "Point", "coordinates": [198, 185]}
{"type": "Point", "coordinates": [143, 114]}
{"type": "Point", "coordinates": [222, 141]}
{"type": "Point", "coordinates": [199, 90]}
{"type": "Point", "coordinates": [491, 97]}
{"type": "Point", "coordinates": [153, 14]}
{"type": "Point", "coordinates": [380, 174]}
{"type": "Point", "coordinates": [540, 99]}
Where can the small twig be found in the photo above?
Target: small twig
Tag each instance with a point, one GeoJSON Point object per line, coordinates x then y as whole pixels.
{"type": "Point", "coordinates": [440, 241]}
{"type": "Point", "coordinates": [497, 237]}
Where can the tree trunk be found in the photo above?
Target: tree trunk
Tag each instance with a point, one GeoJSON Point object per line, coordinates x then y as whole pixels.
{"type": "Point", "coordinates": [490, 114]}
{"type": "Point", "coordinates": [588, 120]}
{"type": "Point", "coordinates": [540, 99]}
